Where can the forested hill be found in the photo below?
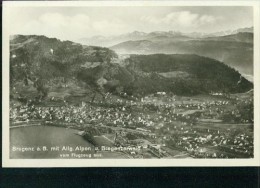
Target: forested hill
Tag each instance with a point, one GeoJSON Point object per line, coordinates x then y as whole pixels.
{"type": "Point", "coordinates": [38, 57]}
{"type": "Point", "coordinates": [44, 65]}
{"type": "Point", "coordinates": [188, 74]}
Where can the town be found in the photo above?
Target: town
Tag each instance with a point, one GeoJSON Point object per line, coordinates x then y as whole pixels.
{"type": "Point", "coordinates": [160, 125]}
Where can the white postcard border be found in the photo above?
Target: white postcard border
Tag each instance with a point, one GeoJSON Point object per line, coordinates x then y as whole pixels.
{"type": "Point", "coordinates": [7, 162]}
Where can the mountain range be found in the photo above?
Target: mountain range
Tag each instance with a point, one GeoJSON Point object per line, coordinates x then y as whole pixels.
{"type": "Point", "coordinates": [44, 65]}
{"type": "Point", "coordinates": [233, 47]}
{"type": "Point", "coordinates": [108, 41]}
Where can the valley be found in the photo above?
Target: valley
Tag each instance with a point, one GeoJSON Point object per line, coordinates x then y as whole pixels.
{"type": "Point", "coordinates": [155, 105]}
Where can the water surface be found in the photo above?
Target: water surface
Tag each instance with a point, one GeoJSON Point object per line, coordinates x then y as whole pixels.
{"type": "Point", "coordinates": [56, 137]}
{"type": "Point", "coordinates": [46, 136]}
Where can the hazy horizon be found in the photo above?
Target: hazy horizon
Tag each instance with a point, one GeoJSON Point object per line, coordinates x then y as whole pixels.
{"type": "Point", "coordinates": [72, 23]}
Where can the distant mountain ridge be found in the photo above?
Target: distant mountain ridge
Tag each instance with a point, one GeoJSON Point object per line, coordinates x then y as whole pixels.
{"type": "Point", "coordinates": [233, 47]}
{"type": "Point", "coordinates": [138, 35]}
{"type": "Point", "coordinates": [235, 50]}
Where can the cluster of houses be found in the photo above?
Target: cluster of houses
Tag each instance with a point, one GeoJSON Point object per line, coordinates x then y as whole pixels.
{"type": "Point", "coordinates": [168, 124]}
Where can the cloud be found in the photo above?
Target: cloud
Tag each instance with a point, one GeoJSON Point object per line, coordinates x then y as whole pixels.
{"type": "Point", "coordinates": [70, 27]}
{"type": "Point", "coordinates": [182, 19]}
{"type": "Point", "coordinates": [111, 27]}
{"type": "Point", "coordinates": [55, 25]}
{"type": "Point", "coordinates": [59, 20]}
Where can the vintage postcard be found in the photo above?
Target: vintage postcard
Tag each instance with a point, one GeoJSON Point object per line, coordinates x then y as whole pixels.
{"type": "Point", "coordinates": [120, 83]}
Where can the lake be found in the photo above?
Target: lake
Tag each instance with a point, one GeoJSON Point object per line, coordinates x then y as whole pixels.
{"type": "Point", "coordinates": [39, 142]}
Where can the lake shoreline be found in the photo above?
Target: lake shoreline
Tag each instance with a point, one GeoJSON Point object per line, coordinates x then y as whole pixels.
{"type": "Point", "coordinates": [89, 138]}
{"type": "Point", "coordinates": [38, 137]}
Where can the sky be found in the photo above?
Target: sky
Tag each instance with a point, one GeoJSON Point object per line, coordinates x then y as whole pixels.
{"type": "Point", "coordinates": [72, 23]}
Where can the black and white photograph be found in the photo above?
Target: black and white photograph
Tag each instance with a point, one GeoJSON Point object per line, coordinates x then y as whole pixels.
{"type": "Point", "coordinates": [99, 81]}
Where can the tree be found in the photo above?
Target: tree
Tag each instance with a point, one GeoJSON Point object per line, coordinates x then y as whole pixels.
{"type": "Point", "coordinates": [91, 76]}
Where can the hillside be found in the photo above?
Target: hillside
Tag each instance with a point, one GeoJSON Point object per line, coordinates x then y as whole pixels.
{"type": "Point", "coordinates": [40, 64]}
{"type": "Point", "coordinates": [185, 74]}
{"type": "Point", "coordinates": [46, 67]}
